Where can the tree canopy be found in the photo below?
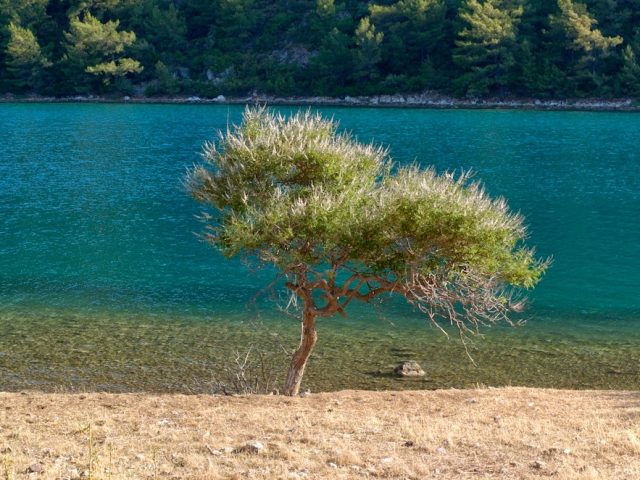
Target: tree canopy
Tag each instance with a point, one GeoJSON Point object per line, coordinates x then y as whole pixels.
{"type": "Point", "coordinates": [342, 222]}
{"type": "Point", "coordinates": [550, 48]}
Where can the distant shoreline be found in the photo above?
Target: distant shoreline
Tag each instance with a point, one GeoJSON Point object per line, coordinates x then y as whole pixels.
{"type": "Point", "coordinates": [426, 101]}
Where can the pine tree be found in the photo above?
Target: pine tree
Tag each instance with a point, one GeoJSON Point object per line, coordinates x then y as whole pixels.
{"type": "Point", "coordinates": [97, 49]}
{"type": "Point", "coordinates": [486, 46]}
{"type": "Point", "coordinates": [368, 52]}
{"type": "Point", "coordinates": [413, 31]}
{"type": "Point", "coordinates": [586, 46]}
{"type": "Point", "coordinates": [25, 60]}
{"type": "Point", "coordinates": [630, 75]}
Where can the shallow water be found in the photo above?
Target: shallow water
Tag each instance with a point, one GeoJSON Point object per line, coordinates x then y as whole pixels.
{"type": "Point", "coordinates": [104, 286]}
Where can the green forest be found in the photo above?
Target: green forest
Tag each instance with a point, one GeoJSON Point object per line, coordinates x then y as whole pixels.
{"type": "Point", "coordinates": [465, 48]}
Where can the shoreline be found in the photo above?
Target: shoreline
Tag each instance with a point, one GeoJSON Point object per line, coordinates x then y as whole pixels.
{"type": "Point", "coordinates": [415, 101]}
{"type": "Point", "coordinates": [454, 434]}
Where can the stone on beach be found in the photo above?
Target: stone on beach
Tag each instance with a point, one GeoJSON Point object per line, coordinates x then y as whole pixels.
{"type": "Point", "coordinates": [409, 369]}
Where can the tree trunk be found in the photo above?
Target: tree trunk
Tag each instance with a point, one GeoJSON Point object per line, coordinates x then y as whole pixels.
{"type": "Point", "coordinates": [308, 339]}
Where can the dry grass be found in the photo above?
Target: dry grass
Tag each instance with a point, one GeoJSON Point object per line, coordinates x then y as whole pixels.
{"type": "Point", "coordinates": [486, 433]}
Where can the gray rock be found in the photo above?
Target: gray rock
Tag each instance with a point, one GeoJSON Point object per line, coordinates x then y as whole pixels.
{"type": "Point", "coordinates": [409, 369]}
{"type": "Point", "coordinates": [252, 446]}
{"type": "Point", "coordinates": [35, 468]}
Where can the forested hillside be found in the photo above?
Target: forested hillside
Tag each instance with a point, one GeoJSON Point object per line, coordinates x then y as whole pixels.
{"type": "Point", "coordinates": [510, 48]}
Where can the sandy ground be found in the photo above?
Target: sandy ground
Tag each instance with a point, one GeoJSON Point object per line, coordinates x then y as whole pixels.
{"type": "Point", "coordinates": [511, 433]}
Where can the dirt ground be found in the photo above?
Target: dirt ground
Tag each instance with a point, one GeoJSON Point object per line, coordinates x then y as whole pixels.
{"type": "Point", "coordinates": [510, 433]}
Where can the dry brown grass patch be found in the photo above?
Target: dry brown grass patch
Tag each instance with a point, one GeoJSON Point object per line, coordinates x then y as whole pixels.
{"type": "Point", "coordinates": [510, 433]}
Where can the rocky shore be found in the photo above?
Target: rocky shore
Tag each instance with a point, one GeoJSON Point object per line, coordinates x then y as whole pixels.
{"type": "Point", "coordinates": [424, 100]}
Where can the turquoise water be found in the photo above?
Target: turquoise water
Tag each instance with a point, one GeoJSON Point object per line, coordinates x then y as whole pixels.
{"type": "Point", "coordinates": [103, 284]}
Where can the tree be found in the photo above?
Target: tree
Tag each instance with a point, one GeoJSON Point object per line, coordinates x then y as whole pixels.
{"type": "Point", "coordinates": [630, 75]}
{"type": "Point", "coordinates": [98, 49]}
{"type": "Point", "coordinates": [25, 60]}
{"type": "Point", "coordinates": [341, 223]}
{"type": "Point", "coordinates": [413, 31]}
{"type": "Point", "coordinates": [486, 45]}
{"type": "Point", "coordinates": [333, 64]}
{"type": "Point", "coordinates": [368, 52]}
{"type": "Point", "coordinates": [586, 45]}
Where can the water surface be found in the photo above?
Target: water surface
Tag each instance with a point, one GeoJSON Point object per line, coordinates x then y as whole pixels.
{"type": "Point", "coordinates": [103, 284]}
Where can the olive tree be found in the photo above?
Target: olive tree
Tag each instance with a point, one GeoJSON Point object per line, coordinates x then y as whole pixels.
{"type": "Point", "coordinates": [341, 222]}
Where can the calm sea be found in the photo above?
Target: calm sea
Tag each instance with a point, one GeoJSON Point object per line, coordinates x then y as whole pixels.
{"type": "Point", "coordinates": [104, 286]}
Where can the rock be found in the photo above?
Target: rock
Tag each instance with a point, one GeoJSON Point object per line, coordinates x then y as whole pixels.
{"type": "Point", "coordinates": [252, 446]}
{"type": "Point", "coordinates": [305, 393]}
{"type": "Point", "coordinates": [74, 474]}
{"type": "Point", "coordinates": [409, 369]}
{"type": "Point", "coordinates": [441, 450]}
{"type": "Point", "coordinates": [409, 443]}
{"type": "Point", "coordinates": [126, 98]}
{"type": "Point", "coordinates": [332, 465]}
{"type": "Point", "coordinates": [220, 98]}
{"type": "Point", "coordinates": [35, 468]}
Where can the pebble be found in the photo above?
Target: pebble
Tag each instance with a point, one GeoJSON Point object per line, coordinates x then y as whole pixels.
{"type": "Point", "coordinates": [332, 465]}
{"type": "Point", "coordinates": [35, 468]}
{"type": "Point", "coordinates": [252, 446]}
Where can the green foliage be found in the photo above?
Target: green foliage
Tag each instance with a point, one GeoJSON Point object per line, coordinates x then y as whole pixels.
{"type": "Point", "coordinates": [165, 84]}
{"type": "Point", "coordinates": [547, 48]}
{"type": "Point", "coordinates": [586, 45]}
{"type": "Point", "coordinates": [631, 72]}
{"type": "Point", "coordinates": [486, 46]}
{"type": "Point", "coordinates": [414, 31]}
{"type": "Point", "coordinates": [25, 61]}
{"type": "Point", "coordinates": [295, 193]}
{"type": "Point", "coordinates": [97, 49]}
